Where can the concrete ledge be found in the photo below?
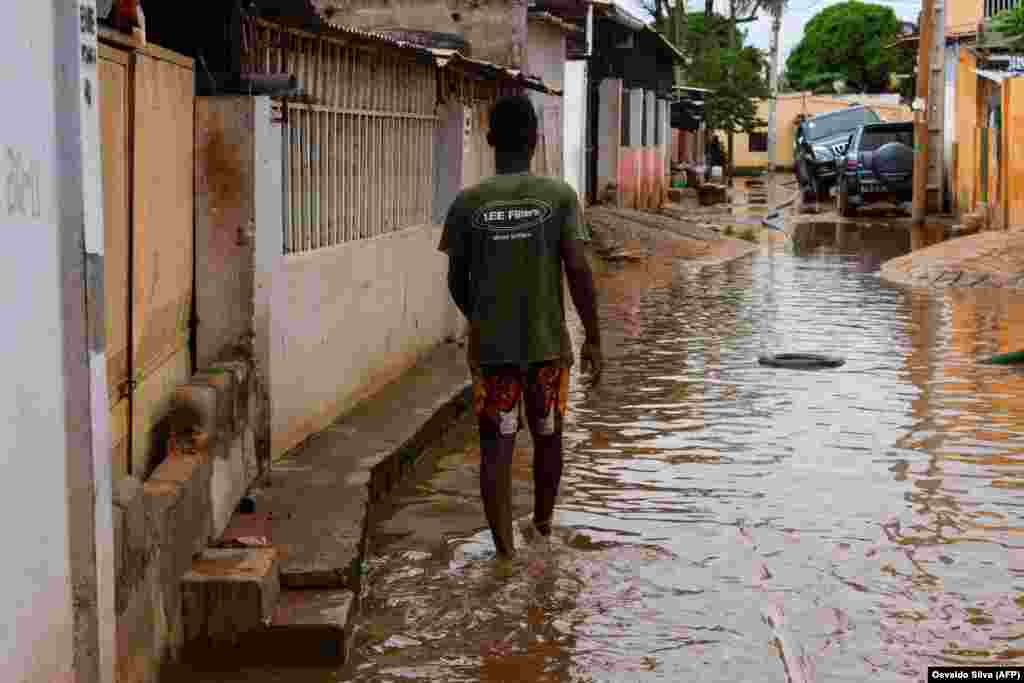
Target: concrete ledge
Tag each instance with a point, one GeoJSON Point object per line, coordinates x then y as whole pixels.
{"type": "Point", "coordinates": [229, 592]}
{"type": "Point", "coordinates": [320, 495]}
{"type": "Point", "coordinates": [240, 374]}
{"type": "Point", "coordinates": [162, 524]}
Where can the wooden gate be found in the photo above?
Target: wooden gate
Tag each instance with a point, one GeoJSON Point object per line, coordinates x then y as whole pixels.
{"type": "Point", "coordinates": [147, 123]}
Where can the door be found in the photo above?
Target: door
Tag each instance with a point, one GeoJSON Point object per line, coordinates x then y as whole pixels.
{"type": "Point", "coordinates": [115, 133]}
{"type": "Point", "coordinates": [147, 142]}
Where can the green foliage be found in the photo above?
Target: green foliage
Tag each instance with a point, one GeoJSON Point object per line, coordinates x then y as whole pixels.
{"type": "Point", "coordinates": [718, 60]}
{"type": "Point", "coordinates": [849, 40]}
{"type": "Point", "coordinates": [408, 455]}
{"type": "Point", "coordinates": [1010, 22]}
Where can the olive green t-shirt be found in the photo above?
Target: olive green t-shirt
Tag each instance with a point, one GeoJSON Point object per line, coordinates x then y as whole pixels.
{"type": "Point", "coordinates": [507, 231]}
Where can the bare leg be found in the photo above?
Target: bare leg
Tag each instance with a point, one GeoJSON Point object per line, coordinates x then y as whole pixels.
{"type": "Point", "coordinates": [545, 419]}
{"type": "Point", "coordinates": [547, 474]}
{"type": "Point", "coordinates": [495, 489]}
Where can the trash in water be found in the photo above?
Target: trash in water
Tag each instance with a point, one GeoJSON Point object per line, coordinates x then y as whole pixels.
{"type": "Point", "coordinates": [397, 643]}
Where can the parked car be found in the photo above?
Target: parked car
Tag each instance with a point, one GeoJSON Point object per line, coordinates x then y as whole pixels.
{"type": "Point", "coordinates": [878, 166]}
{"type": "Point", "coordinates": [820, 141]}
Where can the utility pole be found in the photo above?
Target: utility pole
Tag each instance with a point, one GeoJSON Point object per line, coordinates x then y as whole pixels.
{"type": "Point", "coordinates": [773, 83]}
{"type": "Point", "coordinates": [921, 113]}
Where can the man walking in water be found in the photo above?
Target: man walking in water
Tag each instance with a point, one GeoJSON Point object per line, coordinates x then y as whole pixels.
{"type": "Point", "coordinates": [508, 240]}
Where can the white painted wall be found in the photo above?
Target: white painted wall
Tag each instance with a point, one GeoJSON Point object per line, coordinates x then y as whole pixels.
{"type": "Point", "coordinates": [349, 319]}
{"type": "Point", "coordinates": [35, 594]}
{"type": "Point", "coordinates": [574, 133]}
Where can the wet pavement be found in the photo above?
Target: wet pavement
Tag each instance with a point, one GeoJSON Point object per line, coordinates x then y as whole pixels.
{"type": "Point", "coordinates": [723, 521]}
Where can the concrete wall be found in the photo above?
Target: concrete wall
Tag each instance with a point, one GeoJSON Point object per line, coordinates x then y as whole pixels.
{"type": "Point", "coordinates": [631, 155]}
{"type": "Point", "coordinates": [349, 319]}
{"type": "Point", "coordinates": [448, 157]}
{"type": "Point", "coordinates": [224, 225]}
{"type": "Point", "coordinates": [963, 16]}
{"type": "Point", "coordinates": [545, 57]}
{"type": "Point", "coordinates": [237, 232]}
{"type": "Point", "coordinates": [687, 146]}
{"type": "Point", "coordinates": [496, 29]}
{"type": "Point", "coordinates": [56, 582]}
{"type": "Point", "coordinates": [574, 128]}
{"type": "Point", "coordinates": [182, 508]}
{"type": "Point", "coordinates": [609, 138]}
{"type": "Point", "coordinates": [186, 503]}
{"type": "Point", "coordinates": [789, 106]}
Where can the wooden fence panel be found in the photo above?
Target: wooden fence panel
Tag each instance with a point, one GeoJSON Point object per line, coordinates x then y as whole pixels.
{"type": "Point", "coordinates": [115, 126]}
{"type": "Point", "coordinates": [162, 249]}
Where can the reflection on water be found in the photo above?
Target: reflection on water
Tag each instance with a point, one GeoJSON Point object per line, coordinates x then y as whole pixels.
{"type": "Point", "coordinates": [724, 521]}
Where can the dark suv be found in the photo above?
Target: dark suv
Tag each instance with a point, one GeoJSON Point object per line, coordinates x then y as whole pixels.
{"type": "Point", "coordinates": [820, 141]}
{"type": "Point", "coordinates": [878, 166]}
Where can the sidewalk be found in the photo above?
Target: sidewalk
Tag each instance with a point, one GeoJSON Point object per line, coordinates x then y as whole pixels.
{"type": "Point", "coordinates": [318, 495]}
{"type": "Point", "coordinates": [987, 259]}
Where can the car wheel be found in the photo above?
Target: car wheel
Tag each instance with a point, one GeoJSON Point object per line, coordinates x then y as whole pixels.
{"type": "Point", "coordinates": [806, 188]}
{"type": "Point", "coordinates": [820, 190]}
{"type": "Point", "coordinates": [845, 210]}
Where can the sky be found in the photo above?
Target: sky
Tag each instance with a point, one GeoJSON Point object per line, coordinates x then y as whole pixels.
{"type": "Point", "coordinates": [796, 14]}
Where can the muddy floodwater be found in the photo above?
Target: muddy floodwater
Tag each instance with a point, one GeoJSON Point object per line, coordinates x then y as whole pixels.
{"type": "Point", "coordinates": [724, 521]}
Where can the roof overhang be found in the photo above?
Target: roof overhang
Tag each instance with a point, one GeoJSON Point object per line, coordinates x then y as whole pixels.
{"type": "Point", "coordinates": [302, 15]}
{"type": "Point", "coordinates": [552, 20]}
{"type": "Point", "coordinates": [612, 11]}
{"type": "Point", "coordinates": [903, 42]}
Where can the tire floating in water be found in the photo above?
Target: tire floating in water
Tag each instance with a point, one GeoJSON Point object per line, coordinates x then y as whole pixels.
{"type": "Point", "coordinates": [801, 361]}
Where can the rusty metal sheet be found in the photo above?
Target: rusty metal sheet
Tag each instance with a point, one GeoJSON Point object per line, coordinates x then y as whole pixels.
{"type": "Point", "coordinates": [162, 202]}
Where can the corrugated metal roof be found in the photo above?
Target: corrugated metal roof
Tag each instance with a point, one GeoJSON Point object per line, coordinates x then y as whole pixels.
{"type": "Point", "coordinates": [621, 16]}
{"type": "Point", "coordinates": [318, 23]}
{"type": "Point", "coordinates": [444, 57]}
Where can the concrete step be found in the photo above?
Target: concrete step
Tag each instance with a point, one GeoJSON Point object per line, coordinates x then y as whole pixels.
{"type": "Point", "coordinates": [228, 593]}
{"type": "Point", "coordinates": [307, 629]}
{"type": "Point", "coordinates": [247, 530]}
{"type": "Point", "coordinates": [315, 625]}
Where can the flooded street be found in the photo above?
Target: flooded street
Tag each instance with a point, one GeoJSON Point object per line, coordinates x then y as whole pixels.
{"type": "Point", "coordinates": [723, 521]}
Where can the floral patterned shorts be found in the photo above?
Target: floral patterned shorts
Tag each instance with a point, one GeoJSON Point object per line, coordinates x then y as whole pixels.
{"type": "Point", "coordinates": [501, 393]}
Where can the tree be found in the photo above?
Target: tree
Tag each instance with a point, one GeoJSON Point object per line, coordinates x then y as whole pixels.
{"type": "Point", "coordinates": [734, 73]}
{"type": "Point", "coordinates": [716, 59]}
{"type": "Point", "coordinates": [848, 41]}
{"type": "Point", "coordinates": [1010, 23]}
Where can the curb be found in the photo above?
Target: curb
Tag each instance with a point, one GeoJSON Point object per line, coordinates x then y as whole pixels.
{"type": "Point", "coordinates": [392, 471]}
